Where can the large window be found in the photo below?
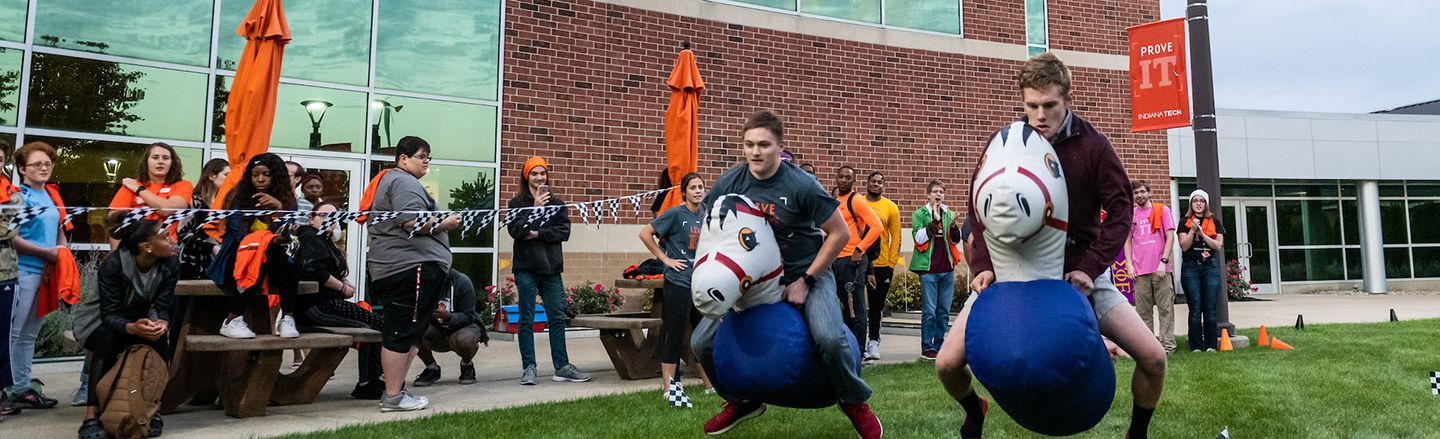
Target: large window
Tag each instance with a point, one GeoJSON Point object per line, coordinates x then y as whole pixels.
{"type": "Point", "coordinates": [1037, 27]}
{"type": "Point", "coordinates": [12, 19]}
{"type": "Point", "coordinates": [928, 15]}
{"type": "Point", "coordinates": [84, 95]}
{"type": "Point", "coordinates": [330, 39]}
{"type": "Point", "coordinates": [342, 125]}
{"type": "Point", "coordinates": [175, 31]}
{"type": "Point", "coordinates": [454, 130]}
{"type": "Point", "coordinates": [458, 59]}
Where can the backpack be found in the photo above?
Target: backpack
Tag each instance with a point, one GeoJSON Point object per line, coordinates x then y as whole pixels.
{"type": "Point", "coordinates": [130, 392]}
{"type": "Point", "coordinates": [873, 252]}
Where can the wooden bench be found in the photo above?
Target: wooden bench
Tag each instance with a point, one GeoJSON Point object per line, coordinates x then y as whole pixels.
{"type": "Point", "coordinates": [360, 335]}
{"type": "Point", "coordinates": [633, 352]}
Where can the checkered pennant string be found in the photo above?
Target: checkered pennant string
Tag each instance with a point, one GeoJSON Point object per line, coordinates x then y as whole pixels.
{"type": "Point", "coordinates": [550, 211]}
{"type": "Point", "coordinates": [72, 212]}
{"type": "Point", "coordinates": [295, 216]}
{"type": "Point", "coordinates": [25, 215]}
{"type": "Point", "coordinates": [178, 216]}
{"type": "Point", "coordinates": [676, 396]}
{"type": "Point", "coordinates": [334, 218]}
{"type": "Point", "coordinates": [258, 213]}
{"type": "Point", "coordinates": [135, 215]}
{"type": "Point", "coordinates": [380, 217]}
{"type": "Point", "coordinates": [635, 202]}
{"type": "Point", "coordinates": [584, 212]}
{"type": "Point", "coordinates": [1435, 383]}
{"type": "Point", "coordinates": [467, 221]}
{"type": "Point", "coordinates": [422, 220]}
{"type": "Point", "coordinates": [487, 217]}
{"type": "Point", "coordinates": [509, 217]}
{"type": "Point", "coordinates": [614, 209]}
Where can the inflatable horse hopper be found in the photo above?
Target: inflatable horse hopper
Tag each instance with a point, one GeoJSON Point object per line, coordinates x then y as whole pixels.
{"type": "Point", "coordinates": [1032, 339]}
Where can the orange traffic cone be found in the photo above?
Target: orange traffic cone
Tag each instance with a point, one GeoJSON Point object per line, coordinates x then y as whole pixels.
{"type": "Point", "coordinates": [1275, 343]}
{"type": "Point", "coordinates": [1264, 337]}
{"type": "Point", "coordinates": [1225, 340]}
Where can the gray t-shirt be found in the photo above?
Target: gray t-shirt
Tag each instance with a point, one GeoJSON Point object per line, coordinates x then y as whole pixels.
{"type": "Point", "coordinates": [796, 200]}
{"type": "Point", "coordinates": [679, 231]}
{"type": "Point", "coordinates": [392, 250]}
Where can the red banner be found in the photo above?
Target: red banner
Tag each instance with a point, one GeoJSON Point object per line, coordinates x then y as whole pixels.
{"type": "Point", "coordinates": [1159, 86]}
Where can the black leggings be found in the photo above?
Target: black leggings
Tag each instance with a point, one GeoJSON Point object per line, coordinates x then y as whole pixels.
{"type": "Point", "coordinates": [877, 298]}
{"type": "Point", "coordinates": [343, 313]}
{"type": "Point", "coordinates": [679, 315]}
{"type": "Point", "coordinates": [104, 348]}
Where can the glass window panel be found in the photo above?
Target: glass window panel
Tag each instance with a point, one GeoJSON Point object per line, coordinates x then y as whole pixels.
{"type": "Point", "coordinates": [1351, 221]}
{"type": "Point", "coordinates": [458, 188]}
{"type": "Point", "coordinates": [1392, 222]}
{"type": "Point", "coordinates": [1354, 264]}
{"type": "Point", "coordinates": [10, 61]}
{"type": "Point", "coordinates": [460, 58]}
{"type": "Point", "coordinates": [1423, 225]}
{"type": "Point", "coordinates": [175, 31]}
{"type": "Point", "coordinates": [478, 266]}
{"type": "Point", "coordinates": [1392, 190]}
{"type": "Point", "coordinates": [83, 173]}
{"type": "Point", "coordinates": [1035, 23]}
{"type": "Point", "coordinates": [331, 39]}
{"type": "Point", "coordinates": [455, 131]}
{"type": "Point", "coordinates": [1307, 190]}
{"type": "Point", "coordinates": [858, 10]}
{"type": "Point", "coordinates": [778, 4]}
{"type": "Point", "coordinates": [931, 15]}
{"type": "Point", "coordinates": [12, 19]}
{"type": "Point", "coordinates": [1310, 222]}
{"type": "Point", "coordinates": [1427, 261]}
{"type": "Point", "coordinates": [1034, 51]}
{"type": "Point", "coordinates": [1347, 189]}
{"type": "Point", "coordinates": [104, 97]}
{"type": "Point", "coordinates": [342, 127]}
{"type": "Point", "coordinates": [1397, 263]}
{"type": "Point", "coordinates": [1311, 265]}
{"type": "Point", "coordinates": [1245, 190]}
{"type": "Point", "coordinates": [1423, 190]}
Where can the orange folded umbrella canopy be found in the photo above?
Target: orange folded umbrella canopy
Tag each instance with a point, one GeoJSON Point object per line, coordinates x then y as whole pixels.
{"type": "Point", "coordinates": [682, 125]}
{"type": "Point", "coordinates": [250, 111]}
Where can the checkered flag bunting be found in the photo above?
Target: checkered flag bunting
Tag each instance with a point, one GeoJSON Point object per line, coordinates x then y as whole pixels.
{"type": "Point", "coordinates": [25, 215]}
{"type": "Point", "coordinates": [334, 218]}
{"type": "Point", "coordinates": [380, 217]}
{"type": "Point", "coordinates": [178, 216]}
{"type": "Point", "coordinates": [135, 215]}
{"type": "Point", "coordinates": [72, 212]}
{"type": "Point", "coordinates": [676, 396]}
{"type": "Point", "coordinates": [1435, 383]}
{"type": "Point", "coordinates": [1224, 434]}
{"type": "Point", "coordinates": [467, 221]}
{"type": "Point", "coordinates": [422, 221]}
{"type": "Point", "coordinates": [615, 209]}
{"type": "Point", "coordinates": [296, 216]}
{"type": "Point", "coordinates": [584, 212]}
{"type": "Point", "coordinates": [634, 202]}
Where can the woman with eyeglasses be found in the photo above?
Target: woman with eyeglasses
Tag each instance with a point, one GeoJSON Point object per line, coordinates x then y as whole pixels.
{"type": "Point", "coordinates": [38, 245]}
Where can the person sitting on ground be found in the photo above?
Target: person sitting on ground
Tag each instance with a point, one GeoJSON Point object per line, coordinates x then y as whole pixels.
{"type": "Point", "coordinates": [131, 306]}
{"type": "Point", "coordinates": [456, 329]}
{"type": "Point", "coordinates": [321, 262]}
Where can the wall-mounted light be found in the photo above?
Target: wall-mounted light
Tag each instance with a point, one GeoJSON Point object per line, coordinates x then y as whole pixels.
{"type": "Point", "coordinates": [112, 168]}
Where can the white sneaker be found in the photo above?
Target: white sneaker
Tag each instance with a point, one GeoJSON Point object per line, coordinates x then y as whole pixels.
{"type": "Point", "coordinates": [403, 402]}
{"type": "Point", "coordinates": [872, 350]}
{"type": "Point", "coordinates": [285, 328]}
{"type": "Point", "coordinates": [236, 328]}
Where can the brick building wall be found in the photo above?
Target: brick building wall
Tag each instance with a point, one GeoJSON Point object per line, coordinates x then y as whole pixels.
{"type": "Point", "coordinates": [585, 88]}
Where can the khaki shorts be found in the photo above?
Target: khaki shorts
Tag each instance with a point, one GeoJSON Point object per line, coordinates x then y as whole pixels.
{"type": "Point", "coordinates": [1105, 297]}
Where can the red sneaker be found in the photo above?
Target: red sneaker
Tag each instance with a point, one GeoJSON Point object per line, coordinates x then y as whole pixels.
{"type": "Point", "coordinates": [864, 420]}
{"type": "Point", "coordinates": [732, 415]}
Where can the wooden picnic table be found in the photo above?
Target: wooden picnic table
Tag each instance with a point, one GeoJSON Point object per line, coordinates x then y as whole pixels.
{"type": "Point", "coordinates": [634, 352]}
{"type": "Point", "coordinates": [246, 372]}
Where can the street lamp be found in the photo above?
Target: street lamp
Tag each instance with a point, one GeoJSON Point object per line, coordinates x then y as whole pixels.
{"type": "Point", "coordinates": [383, 111]}
{"type": "Point", "coordinates": [316, 108]}
{"type": "Point", "coordinates": [112, 168]}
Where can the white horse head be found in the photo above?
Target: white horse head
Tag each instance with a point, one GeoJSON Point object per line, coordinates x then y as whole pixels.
{"type": "Point", "coordinates": [738, 261]}
{"type": "Point", "coordinates": [1020, 196]}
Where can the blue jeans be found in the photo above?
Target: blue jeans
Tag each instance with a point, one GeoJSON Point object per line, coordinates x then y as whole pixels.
{"type": "Point", "coordinates": [822, 316]}
{"type": "Point", "coordinates": [937, 290]}
{"type": "Point", "coordinates": [1202, 285]}
{"type": "Point", "coordinates": [7, 303]}
{"type": "Point", "coordinates": [553, 294]}
{"type": "Point", "coordinates": [24, 327]}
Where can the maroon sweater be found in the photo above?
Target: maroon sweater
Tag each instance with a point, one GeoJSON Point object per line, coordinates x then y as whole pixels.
{"type": "Point", "coordinates": [1095, 180]}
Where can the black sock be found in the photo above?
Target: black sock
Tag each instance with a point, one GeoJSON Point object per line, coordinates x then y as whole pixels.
{"type": "Point", "coordinates": [974, 416]}
{"type": "Point", "coordinates": [1140, 422]}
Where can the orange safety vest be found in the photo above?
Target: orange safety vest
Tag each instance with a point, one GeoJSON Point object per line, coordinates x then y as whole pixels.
{"type": "Point", "coordinates": [250, 260]}
{"type": "Point", "coordinates": [62, 283]}
{"type": "Point", "coordinates": [368, 199]}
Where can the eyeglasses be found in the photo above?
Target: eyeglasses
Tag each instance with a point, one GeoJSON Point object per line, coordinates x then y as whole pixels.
{"type": "Point", "coordinates": [40, 165]}
{"type": "Point", "coordinates": [421, 158]}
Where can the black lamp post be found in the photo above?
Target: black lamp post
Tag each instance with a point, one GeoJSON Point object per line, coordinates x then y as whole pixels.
{"type": "Point", "coordinates": [383, 112]}
{"type": "Point", "coordinates": [316, 108]}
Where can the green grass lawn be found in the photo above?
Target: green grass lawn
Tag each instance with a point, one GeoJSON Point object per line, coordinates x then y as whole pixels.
{"type": "Point", "coordinates": [1342, 381]}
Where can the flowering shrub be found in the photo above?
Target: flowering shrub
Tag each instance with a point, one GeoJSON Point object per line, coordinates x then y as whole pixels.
{"type": "Point", "coordinates": [1236, 286]}
{"type": "Point", "coordinates": [592, 298]}
{"type": "Point", "coordinates": [496, 296]}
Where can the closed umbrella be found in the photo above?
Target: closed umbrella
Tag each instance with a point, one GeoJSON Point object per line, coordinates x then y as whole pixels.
{"type": "Point", "coordinates": [250, 112]}
{"type": "Point", "coordinates": [682, 124]}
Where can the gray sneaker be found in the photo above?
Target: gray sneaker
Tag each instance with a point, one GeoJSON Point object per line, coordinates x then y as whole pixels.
{"type": "Point", "coordinates": [570, 373]}
{"type": "Point", "coordinates": [79, 397]}
{"type": "Point", "coordinates": [404, 402]}
{"type": "Point", "coordinates": [527, 378]}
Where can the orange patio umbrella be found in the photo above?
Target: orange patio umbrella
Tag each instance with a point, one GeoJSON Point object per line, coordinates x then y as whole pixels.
{"type": "Point", "coordinates": [250, 112]}
{"type": "Point", "coordinates": [682, 124]}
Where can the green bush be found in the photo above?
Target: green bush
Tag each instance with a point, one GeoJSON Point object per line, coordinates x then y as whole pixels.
{"type": "Point", "coordinates": [905, 291]}
{"type": "Point", "coordinates": [51, 340]}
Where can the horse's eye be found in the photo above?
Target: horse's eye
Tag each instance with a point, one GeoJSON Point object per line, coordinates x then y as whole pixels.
{"type": "Point", "coordinates": [748, 240]}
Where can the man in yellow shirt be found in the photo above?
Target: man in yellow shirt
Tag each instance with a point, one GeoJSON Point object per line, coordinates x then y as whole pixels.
{"type": "Point", "coordinates": [883, 266]}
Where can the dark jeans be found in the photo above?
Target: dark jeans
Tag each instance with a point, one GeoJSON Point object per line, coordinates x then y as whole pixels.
{"type": "Point", "coordinates": [7, 305]}
{"type": "Point", "coordinates": [876, 296]}
{"type": "Point", "coordinates": [850, 288]}
{"type": "Point", "coordinates": [679, 315]}
{"type": "Point", "coordinates": [552, 293]}
{"type": "Point", "coordinates": [1202, 285]}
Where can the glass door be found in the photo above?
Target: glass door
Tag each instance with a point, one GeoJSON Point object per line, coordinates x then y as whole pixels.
{"type": "Point", "coordinates": [341, 182]}
{"type": "Point", "coordinates": [1250, 240]}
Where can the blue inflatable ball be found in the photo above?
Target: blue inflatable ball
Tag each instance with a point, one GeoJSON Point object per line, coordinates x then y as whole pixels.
{"type": "Point", "coordinates": [766, 354]}
{"type": "Point", "coordinates": [1037, 348]}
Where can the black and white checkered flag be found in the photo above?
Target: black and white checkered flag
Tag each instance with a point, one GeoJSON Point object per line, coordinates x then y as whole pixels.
{"type": "Point", "coordinates": [25, 215]}
{"type": "Point", "coordinates": [487, 217]}
{"type": "Point", "coordinates": [337, 217]}
{"type": "Point", "coordinates": [1435, 383]}
{"type": "Point", "coordinates": [584, 212]}
{"type": "Point", "coordinates": [615, 209]}
{"type": "Point", "coordinates": [296, 216]}
{"type": "Point", "coordinates": [135, 215]}
{"type": "Point", "coordinates": [676, 396]}
{"type": "Point", "coordinates": [178, 216]}
{"type": "Point", "coordinates": [380, 217]}
{"type": "Point", "coordinates": [422, 221]}
{"type": "Point", "coordinates": [467, 221]}
{"type": "Point", "coordinates": [509, 217]}
{"type": "Point", "coordinates": [72, 212]}
{"type": "Point", "coordinates": [635, 202]}
{"type": "Point", "coordinates": [1224, 434]}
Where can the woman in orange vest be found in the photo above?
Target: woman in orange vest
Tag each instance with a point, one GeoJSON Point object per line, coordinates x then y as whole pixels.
{"type": "Point", "coordinates": [38, 244]}
{"type": "Point", "coordinates": [157, 184]}
{"type": "Point", "coordinates": [264, 186]}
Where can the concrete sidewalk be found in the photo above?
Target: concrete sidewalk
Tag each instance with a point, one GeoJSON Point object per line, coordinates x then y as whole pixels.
{"type": "Point", "coordinates": [498, 369]}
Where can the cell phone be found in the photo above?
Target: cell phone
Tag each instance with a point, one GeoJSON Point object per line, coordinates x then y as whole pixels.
{"type": "Point", "coordinates": [543, 189]}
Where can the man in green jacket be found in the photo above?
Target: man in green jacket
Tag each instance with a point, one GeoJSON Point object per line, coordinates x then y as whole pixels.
{"type": "Point", "coordinates": [936, 234]}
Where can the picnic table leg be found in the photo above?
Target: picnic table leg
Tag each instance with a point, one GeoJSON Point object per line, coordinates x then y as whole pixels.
{"type": "Point", "coordinates": [625, 349]}
{"type": "Point", "coordinates": [246, 380]}
{"type": "Point", "coordinates": [303, 385]}
{"type": "Point", "coordinates": [192, 373]}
